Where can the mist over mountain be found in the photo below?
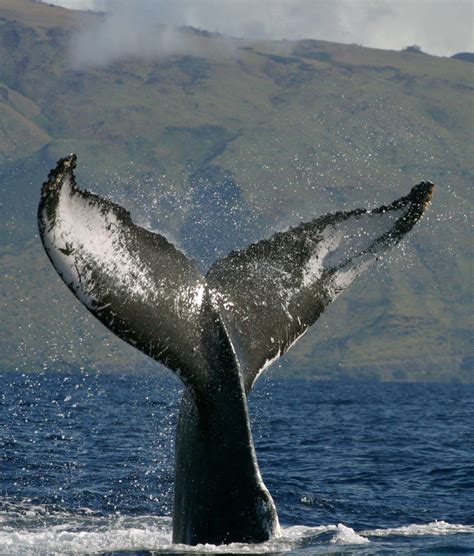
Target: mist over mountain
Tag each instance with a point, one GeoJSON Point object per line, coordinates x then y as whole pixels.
{"type": "Point", "coordinates": [442, 27]}
{"type": "Point", "coordinates": [217, 142]}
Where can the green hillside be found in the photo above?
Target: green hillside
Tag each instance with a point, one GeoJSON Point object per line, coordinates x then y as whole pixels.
{"type": "Point", "coordinates": [224, 145]}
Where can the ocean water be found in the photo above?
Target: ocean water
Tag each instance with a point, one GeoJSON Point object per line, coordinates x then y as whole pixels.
{"type": "Point", "coordinates": [86, 465]}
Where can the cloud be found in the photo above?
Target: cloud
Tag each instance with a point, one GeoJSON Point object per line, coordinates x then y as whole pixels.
{"type": "Point", "coordinates": [127, 33]}
{"type": "Point", "coordinates": [440, 27]}
{"type": "Point", "coordinates": [79, 4]}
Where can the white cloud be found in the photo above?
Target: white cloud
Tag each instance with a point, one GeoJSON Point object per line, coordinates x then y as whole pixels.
{"type": "Point", "coordinates": [78, 4]}
{"type": "Point", "coordinates": [440, 27]}
{"type": "Point", "coordinates": [126, 33]}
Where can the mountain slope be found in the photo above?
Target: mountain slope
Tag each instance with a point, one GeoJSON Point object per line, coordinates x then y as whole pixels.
{"type": "Point", "coordinates": [225, 144]}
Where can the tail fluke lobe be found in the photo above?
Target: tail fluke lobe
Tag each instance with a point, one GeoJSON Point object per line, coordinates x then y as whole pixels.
{"type": "Point", "coordinates": [134, 281]}
{"type": "Point", "coordinates": [277, 288]}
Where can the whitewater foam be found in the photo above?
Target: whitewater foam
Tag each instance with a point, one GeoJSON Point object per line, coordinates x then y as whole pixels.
{"type": "Point", "coordinates": [40, 531]}
{"type": "Point", "coordinates": [36, 531]}
{"type": "Point", "coordinates": [346, 535]}
{"type": "Point", "coordinates": [436, 528]}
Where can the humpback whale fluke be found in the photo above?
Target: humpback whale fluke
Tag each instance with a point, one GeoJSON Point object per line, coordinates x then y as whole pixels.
{"type": "Point", "coordinates": [217, 332]}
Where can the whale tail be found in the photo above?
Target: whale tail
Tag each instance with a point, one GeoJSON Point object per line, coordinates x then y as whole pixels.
{"type": "Point", "coordinates": [266, 296]}
{"type": "Point", "coordinates": [216, 332]}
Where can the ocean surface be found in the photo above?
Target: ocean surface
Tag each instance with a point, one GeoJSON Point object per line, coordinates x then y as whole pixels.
{"type": "Point", "coordinates": [86, 465]}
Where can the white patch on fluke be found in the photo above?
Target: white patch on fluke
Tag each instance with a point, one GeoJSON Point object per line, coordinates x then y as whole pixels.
{"type": "Point", "coordinates": [329, 242]}
{"type": "Point", "coordinates": [189, 300]}
{"type": "Point", "coordinates": [84, 238]}
{"type": "Point", "coordinates": [344, 243]}
{"type": "Point", "coordinates": [269, 362]}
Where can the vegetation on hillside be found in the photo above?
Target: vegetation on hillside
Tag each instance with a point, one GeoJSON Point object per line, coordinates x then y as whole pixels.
{"type": "Point", "coordinates": [224, 145]}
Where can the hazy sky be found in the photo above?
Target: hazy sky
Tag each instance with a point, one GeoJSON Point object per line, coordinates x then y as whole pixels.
{"type": "Point", "coordinates": [441, 27]}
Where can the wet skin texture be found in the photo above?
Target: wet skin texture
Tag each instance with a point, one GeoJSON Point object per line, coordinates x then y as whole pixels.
{"type": "Point", "coordinates": [217, 332]}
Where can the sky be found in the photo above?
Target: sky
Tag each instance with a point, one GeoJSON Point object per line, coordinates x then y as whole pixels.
{"type": "Point", "coordinates": [439, 27]}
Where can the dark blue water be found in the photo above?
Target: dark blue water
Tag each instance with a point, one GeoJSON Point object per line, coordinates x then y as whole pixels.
{"type": "Point", "coordinates": [86, 465]}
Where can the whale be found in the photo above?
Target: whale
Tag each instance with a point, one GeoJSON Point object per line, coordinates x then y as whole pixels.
{"type": "Point", "coordinates": [218, 332]}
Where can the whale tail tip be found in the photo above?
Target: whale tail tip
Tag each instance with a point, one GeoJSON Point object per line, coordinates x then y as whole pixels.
{"type": "Point", "coordinates": [422, 193]}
